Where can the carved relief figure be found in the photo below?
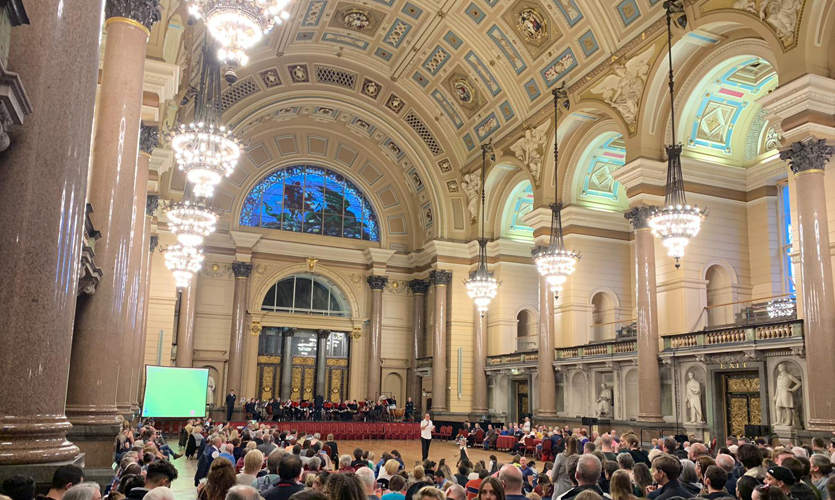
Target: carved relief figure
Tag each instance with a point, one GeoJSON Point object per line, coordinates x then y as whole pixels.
{"type": "Point", "coordinates": [694, 399]}
{"type": "Point", "coordinates": [604, 401]}
{"type": "Point", "coordinates": [780, 14]}
{"type": "Point", "coordinates": [624, 88]}
{"type": "Point", "coordinates": [472, 186]}
{"type": "Point", "coordinates": [785, 386]}
{"type": "Point", "coordinates": [530, 149]}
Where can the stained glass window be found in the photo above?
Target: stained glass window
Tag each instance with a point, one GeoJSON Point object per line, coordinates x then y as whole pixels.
{"type": "Point", "coordinates": [312, 200]}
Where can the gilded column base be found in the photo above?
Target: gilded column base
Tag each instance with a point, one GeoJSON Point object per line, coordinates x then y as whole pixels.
{"type": "Point", "coordinates": [35, 440]}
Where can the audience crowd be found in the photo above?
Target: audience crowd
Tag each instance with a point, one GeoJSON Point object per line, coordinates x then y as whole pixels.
{"type": "Point", "coordinates": [255, 463]}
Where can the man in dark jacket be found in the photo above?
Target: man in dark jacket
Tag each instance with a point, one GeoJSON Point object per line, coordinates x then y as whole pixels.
{"type": "Point", "coordinates": [666, 469]}
{"type": "Point", "coordinates": [715, 479]}
{"type": "Point", "coordinates": [206, 458]}
{"type": "Point", "coordinates": [289, 471]}
{"type": "Point", "coordinates": [588, 473]}
{"type": "Point", "coordinates": [230, 404]}
{"type": "Point", "coordinates": [800, 490]}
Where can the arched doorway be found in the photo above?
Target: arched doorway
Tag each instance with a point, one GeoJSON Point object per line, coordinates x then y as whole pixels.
{"type": "Point", "coordinates": [602, 317]}
{"type": "Point", "coordinates": [526, 334]}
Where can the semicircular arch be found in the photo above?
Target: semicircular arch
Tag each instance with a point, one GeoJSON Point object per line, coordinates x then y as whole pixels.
{"type": "Point", "coordinates": [259, 292]}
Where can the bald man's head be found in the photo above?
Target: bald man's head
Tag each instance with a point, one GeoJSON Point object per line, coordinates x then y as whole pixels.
{"type": "Point", "coordinates": [456, 492]}
{"type": "Point", "coordinates": [698, 450]}
{"type": "Point", "coordinates": [726, 462]}
{"type": "Point", "coordinates": [511, 478]}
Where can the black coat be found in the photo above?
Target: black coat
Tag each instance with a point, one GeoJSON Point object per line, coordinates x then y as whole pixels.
{"type": "Point", "coordinates": [282, 490]}
{"type": "Point", "coordinates": [230, 399]}
{"type": "Point", "coordinates": [669, 490]}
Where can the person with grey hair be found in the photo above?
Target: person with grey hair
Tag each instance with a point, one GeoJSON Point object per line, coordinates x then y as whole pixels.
{"type": "Point", "coordinates": [160, 493]}
{"type": "Point", "coordinates": [345, 463]}
{"type": "Point", "coordinates": [83, 491]}
{"type": "Point", "coordinates": [456, 492]}
{"type": "Point", "coordinates": [369, 482]}
{"type": "Point", "coordinates": [588, 473]}
{"type": "Point", "coordinates": [263, 483]}
{"type": "Point", "coordinates": [728, 464]}
{"type": "Point", "coordinates": [267, 446]}
{"type": "Point", "coordinates": [688, 477]}
{"type": "Point", "coordinates": [242, 492]}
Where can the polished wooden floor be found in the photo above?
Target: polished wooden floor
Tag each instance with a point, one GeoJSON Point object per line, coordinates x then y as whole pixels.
{"type": "Point", "coordinates": [410, 451]}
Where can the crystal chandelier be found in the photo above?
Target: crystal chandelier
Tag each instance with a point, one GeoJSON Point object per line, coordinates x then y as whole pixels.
{"type": "Point", "coordinates": [238, 25]}
{"type": "Point", "coordinates": [676, 222]}
{"type": "Point", "coordinates": [555, 263]}
{"type": "Point", "coordinates": [205, 150]}
{"type": "Point", "coordinates": [183, 261]}
{"type": "Point", "coordinates": [191, 222]}
{"type": "Point", "coordinates": [481, 285]}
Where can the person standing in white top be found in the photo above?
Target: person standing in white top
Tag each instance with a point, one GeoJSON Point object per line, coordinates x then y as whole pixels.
{"type": "Point", "coordinates": [426, 428]}
{"type": "Point", "coordinates": [527, 425]}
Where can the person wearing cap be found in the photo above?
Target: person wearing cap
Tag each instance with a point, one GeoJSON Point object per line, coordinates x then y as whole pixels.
{"type": "Point", "coordinates": [780, 477]}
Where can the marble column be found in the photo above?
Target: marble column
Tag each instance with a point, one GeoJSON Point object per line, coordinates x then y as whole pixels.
{"type": "Point", "coordinates": [287, 363]}
{"type": "Point", "coordinates": [185, 325]}
{"type": "Point", "coordinates": [547, 377]}
{"type": "Point", "coordinates": [808, 159]}
{"type": "Point", "coordinates": [125, 394]}
{"type": "Point", "coordinates": [234, 369]}
{"type": "Point", "coordinates": [419, 289]}
{"type": "Point", "coordinates": [649, 373]}
{"type": "Point", "coordinates": [441, 280]}
{"type": "Point", "coordinates": [479, 362]}
{"type": "Point", "coordinates": [101, 323]}
{"type": "Point", "coordinates": [42, 192]}
{"type": "Point", "coordinates": [322, 363]}
{"type": "Point", "coordinates": [149, 257]}
{"type": "Point", "coordinates": [377, 285]}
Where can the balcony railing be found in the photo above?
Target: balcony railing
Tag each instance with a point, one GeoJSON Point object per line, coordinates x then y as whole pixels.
{"type": "Point", "coordinates": [783, 330]}
{"type": "Point", "coordinates": [748, 312]}
{"type": "Point", "coordinates": [516, 358]}
{"type": "Point", "coordinates": [613, 348]}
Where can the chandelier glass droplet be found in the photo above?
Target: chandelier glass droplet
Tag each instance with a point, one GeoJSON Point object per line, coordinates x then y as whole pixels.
{"type": "Point", "coordinates": [191, 222]}
{"type": "Point", "coordinates": [183, 261]}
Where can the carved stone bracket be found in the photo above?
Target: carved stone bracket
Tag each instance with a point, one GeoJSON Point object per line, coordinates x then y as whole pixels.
{"type": "Point", "coordinates": [145, 12]}
{"type": "Point", "coordinates": [809, 154]}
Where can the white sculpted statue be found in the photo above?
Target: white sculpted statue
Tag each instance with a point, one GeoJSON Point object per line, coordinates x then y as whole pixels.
{"type": "Point", "coordinates": [624, 88]}
{"type": "Point", "coordinates": [528, 148]}
{"type": "Point", "coordinates": [787, 384]}
{"type": "Point", "coordinates": [780, 14]}
{"type": "Point", "coordinates": [694, 399]}
{"type": "Point", "coordinates": [472, 188]}
{"type": "Point", "coordinates": [604, 401]}
{"type": "Point", "coordinates": [210, 391]}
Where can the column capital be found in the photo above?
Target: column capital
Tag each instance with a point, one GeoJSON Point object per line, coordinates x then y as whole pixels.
{"type": "Point", "coordinates": [144, 12]}
{"type": "Point", "coordinates": [151, 204]}
{"type": "Point", "coordinates": [288, 332]}
{"type": "Point", "coordinates": [639, 216]}
{"type": "Point", "coordinates": [154, 242]}
{"type": "Point", "coordinates": [440, 277]}
{"type": "Point", "coordinates": [377, 283]}
{"type": "Point", "coordinates": [323, 334]}
{"type": "Point", "coordinates": [808, 154]}
{"type": "Point", "coordinates": [241, 269]}
{"type": "Point", "coordinates": [148, 138]}
{"type": "Point", "coordinates": [419, 286]}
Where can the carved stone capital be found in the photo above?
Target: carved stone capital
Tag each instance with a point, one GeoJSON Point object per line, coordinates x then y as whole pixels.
{"type": "Point", "coordinates": [154, 243]}
{"type": "Point", "coordinates": [639, 216]}
{"type": "Point", "coordinates": [145, 12]}
{"type": "Point", "coordinates": [419, 286]}
{"type": "Point", "coordinates": [323, 334]}
{"type": "Point", "coordinates": [377, 283]}
{"type": "Point", "coordinates": [288, 332]}
{"type": "Point", "coordinates": [440, 277]}
{"type": "Point", "coordinates": [241, 269]}
{"type": "Point", "coordinates": [151, 204]}
{"type": "Point", "coordinates": [148, 138]}
{"type": "Point", "coordinates": [808, 154]}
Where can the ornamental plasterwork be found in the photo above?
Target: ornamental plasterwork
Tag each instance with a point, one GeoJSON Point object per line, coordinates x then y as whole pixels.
{"type": "Point", "coordinates": [361, 20]}
{"type": "Point", "coordinates": [216, 270]}
{"type": "Point", "coordinates": [624, 87]}
{"type": "Point", "coordinates": [397, 287]}
{"type": "Point", "coordinates": [532, 25]}
{"type": "Point", "coordinates": [531, 148]}
{"type": "Point", "coordinates": [782, 16]}
{"type": "Point", "coordinates": [464, 91]}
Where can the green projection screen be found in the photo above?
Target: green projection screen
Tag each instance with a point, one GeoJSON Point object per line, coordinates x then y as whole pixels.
{"type": "Point", "coordinates": [175, 392]}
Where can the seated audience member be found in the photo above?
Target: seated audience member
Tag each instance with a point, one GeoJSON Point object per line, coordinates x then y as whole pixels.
{"type": "Point", "coordinates": [369, 484]}
{"type": "Point", "coordinates": [331, 443]}
{"type": "Point", "coordinates": [84, 491]}
{"type": "Point", "coordinates": [160, 493]}
{"type": "Point", "coordinates": [821, 472]}
{"type": "Point", "coordinates": [666, 470]}
{"type": "Point", "coordinates": [242, 492]}
{"type": "Point", "coordinates": [396, 489]}
{"type": "Point", "coordinates": [64, 478]}
{"type": "Point", "coordinates": [344, 487]}
{"type": "Point", "coordinates": [289, 471]}
{"type": "Point", "coordinates": [752, 460]}
{"type": "Point", "coordinates": [715, 479]}
{"type": "Point", "coordinates": [609, 468]}
{"type": "Point", "coordinates": [345, 464]}
{"type": "Point", "coordinates": [764, 492]}
{"type": "Point", "coordinates": [620, 486]}
{"type": "Point", "coordinates": [429, 493]}
{"type": "Point", "coordinates": [19, 488]}
{"type": "Point", "coordinates": [642, 478]}
{"type": "Point", "coordinates": [728, 464]}
{"type": "Point", "coordinates": [688, 478]}
{"type": "Point", "coordinates": [745, 487]}
{"type": "Point", "coordinates": [456, 492]}
{"type": "Point", "coordinates": [512, 482]}
{"type": "Point", "coordinates": [265, 482]}
{"type": "Point", "coordinates": [358, 460]}
{"type": "Point", "coordinates": [491, 489]}
{"type": "Point", "coordinates": [220, 479]}
{"type": "Point", "coordinates": [253, 462]}
{"type": "Point", "coordinates": [587, 476]}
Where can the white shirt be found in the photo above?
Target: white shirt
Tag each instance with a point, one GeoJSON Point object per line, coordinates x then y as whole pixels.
{"type": "Point", "coordinates": [527, 427]}
{"type": "Point", "coordinates": [426, 429]}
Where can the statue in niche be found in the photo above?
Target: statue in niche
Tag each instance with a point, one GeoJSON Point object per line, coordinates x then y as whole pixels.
{"type": "Point", "coordinates": [210, 392]}
{"type": "Point", "coordinates": [787, 384]}
{"type": "Point", "coordinates": [694, 399]}
{"type": "Point", "coordinates": [604, 401]}
{"type": "Point", "coordinates": [472, 187]}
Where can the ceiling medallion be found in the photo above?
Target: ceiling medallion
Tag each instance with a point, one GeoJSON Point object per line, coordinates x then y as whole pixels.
{"type": "Point", "coordinates": [464, 91]}
{"type": "Point", "coordinates": [532, 24]}
{"type": "Point", "coordinates": [356, 19]}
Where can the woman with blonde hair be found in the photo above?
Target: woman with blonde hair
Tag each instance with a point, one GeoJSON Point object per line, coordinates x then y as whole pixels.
{"type": "Point", "coordinates": [253, 462]}
{"type": "Point", "coordinates": [620, 486]}
{"type": "Point", "coordinates": [559, 474]}
{"type": "Point", "coordinates": [387, 471]}
{"type": "Point", "coordinates": [418, 473]}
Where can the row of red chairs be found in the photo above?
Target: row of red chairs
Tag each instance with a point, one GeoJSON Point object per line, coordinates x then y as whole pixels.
{"type": "Point", "coordinates": [444, 432]}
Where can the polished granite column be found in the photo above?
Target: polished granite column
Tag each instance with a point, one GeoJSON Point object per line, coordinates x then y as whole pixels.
{"type": "Point", "coordinates": [42, 194]}
{"type": "Point", "coordinates": [649, 373]}
{"type": "Point", "coordinates": [235, 368]}
{"type": "Point", "coordinates": [441, 280]}
{"type": "Point", "coordinates": [479, 362]}
{"type": "Point", "coordinates": [100, 324]}
{"type": "Point", "coordinates": [149, 257]}
{"type": "Point", "coordinates": [287, 363]}
{"type": "Point", "coordinates": [185, 325]}
{"type": "Point", "coordinates": [322, 363]}
{"type": "Point", "coordinates": [419, 289]}
{"type": "Point", "coordinates": [377, 285]}
{"type": "Point", "coordinates": [808, 159]}
{"type": "Point", "coordinates": [125, 394]}
{"type": "Point", "coordinates": [547, 377]}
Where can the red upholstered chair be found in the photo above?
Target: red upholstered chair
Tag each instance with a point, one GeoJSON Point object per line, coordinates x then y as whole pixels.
{"type": "Point", "coordinates": [380, 431]}
{"type": "Point", "coordinates": [530, 446]}
{"type": "Point", "coordinates": [545, 453]}
{"type": "Point", "coordinates": [479, 437]}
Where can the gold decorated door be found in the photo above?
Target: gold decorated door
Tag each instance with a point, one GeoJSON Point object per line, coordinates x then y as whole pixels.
{"type": "Point", "coordinates": [269, 377]}
{"type": "Point", "coordinates": [522, 400]}
{"type": "Point", "coordinates": [337, 379]}
{"type": "Point", "coordinates": [743, 405]}
{"type": "Point", "coordinates": [303, 378]}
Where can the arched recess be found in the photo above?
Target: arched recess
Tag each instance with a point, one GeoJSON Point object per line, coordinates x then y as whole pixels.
{"type": "Point", "coordinates": [630, 394]}
{"type": "Point", "coordinates": [692, 63]}
{"type": "Point", "coordinates": [518, 202]}
{"type": "Point", "coordinates": [393, 385]}
{"type": "Point", "coordinates": [720, 292]}
{"type": "Point", "coordinates": [213, 396]}
{"type": "Point", "coordinates": [602, 152]}
{"type": "Point", "coordinates": [579, 395]}
{"type": "Point", "coordinates": [527, 330]}
{"type": "Point", "coordinates": [604, 306]}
